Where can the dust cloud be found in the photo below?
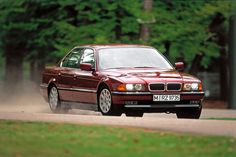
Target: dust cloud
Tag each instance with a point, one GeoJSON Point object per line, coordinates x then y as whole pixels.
{"type": "Point", "coordinates": [24, 98]}
{"type": "Point", "coordinates": [27, 98]}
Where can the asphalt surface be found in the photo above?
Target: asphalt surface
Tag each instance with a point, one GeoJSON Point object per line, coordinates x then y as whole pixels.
{"type": "Point", "coordinates": [28, 105]}
{"type": "Point", "coordinates": [205, 127]}
{"type": "Point", "coordinates": [157, 121]}
{"type": "Point", "coordinates": [32, 107]}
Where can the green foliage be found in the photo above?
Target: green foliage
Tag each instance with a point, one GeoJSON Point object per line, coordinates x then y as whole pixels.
{"type": "Point", "coordinates": [185, 24]}
{"type": "Point", "coordinates": [48, 29]}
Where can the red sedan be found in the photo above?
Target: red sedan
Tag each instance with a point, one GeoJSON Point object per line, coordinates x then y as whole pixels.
{"type": "Point", "coordinates": [116, 79]}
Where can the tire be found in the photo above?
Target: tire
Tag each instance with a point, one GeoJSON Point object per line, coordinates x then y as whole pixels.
{"type": "Point", "coordinates": [54, 101]}
{"type": "Point", "coordinates": [134, 114]}
{"type": "Point", "coordinates": [105, 105]}
{"type": "Point", "coordinates": [190, 113]}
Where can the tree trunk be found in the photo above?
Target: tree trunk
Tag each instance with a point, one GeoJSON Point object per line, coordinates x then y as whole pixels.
{"type": "Point", "coordinates": [13, 68]}
{"type": "Point", "coordinates": [232, 60]}
{"type": "Point", "coordinates": [217, 27]}
{"type": "Point", "coordinates": [39, 70]}
{"type": "Point", "coordinates": [195, 64]}
{"type": "Point", "coordinates": [36, 69]}
{"type": "Point", "coordinates": [118, 30]}
{"type": "Point", "coordinates": [32, 70]}
{"type": "Point", "coordinates": [223, 75]}
{"type": "Point", "coordinates": [144, 30]}
{"type": "Point", "coordinates": [167, 45]}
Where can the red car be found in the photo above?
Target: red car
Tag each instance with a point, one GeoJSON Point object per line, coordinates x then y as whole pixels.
{"type": "Point", "coordinates": [116, 79]}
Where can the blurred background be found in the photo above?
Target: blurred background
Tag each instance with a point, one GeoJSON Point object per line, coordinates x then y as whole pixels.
{"type": "Point", "coordinates": [37, 33]}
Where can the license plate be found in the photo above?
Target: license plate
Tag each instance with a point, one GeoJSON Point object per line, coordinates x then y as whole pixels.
{"type": "Point", "coordinates": [166, 97]}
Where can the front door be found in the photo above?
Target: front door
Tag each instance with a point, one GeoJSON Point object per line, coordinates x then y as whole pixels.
{"type": "Point", "coordinates": [86, 81]}
{"type": "Point", "coordinates": [67, 74]}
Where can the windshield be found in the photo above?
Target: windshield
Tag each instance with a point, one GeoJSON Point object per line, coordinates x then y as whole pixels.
{"type": "Point", "coordinates": [113, 58]}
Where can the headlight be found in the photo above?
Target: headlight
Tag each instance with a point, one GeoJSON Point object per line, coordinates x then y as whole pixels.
{"type": "Point", "coordinates": [138, 86]}
{"type": "Point", "coordinates": [130, 87]}
{"type": "Point", "coordinates": [192, 87]}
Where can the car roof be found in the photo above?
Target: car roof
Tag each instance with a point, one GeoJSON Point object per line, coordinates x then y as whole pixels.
{"type": "Point", "coordinates": [101, 46]}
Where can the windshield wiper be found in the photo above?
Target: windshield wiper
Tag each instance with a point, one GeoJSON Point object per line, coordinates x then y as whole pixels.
{"type": "Point", "coordinates": [131, 67]}
{"type": "Point", "coordinates": [117, 68]}
{"type": "Point", "coordinates": [145, 67]}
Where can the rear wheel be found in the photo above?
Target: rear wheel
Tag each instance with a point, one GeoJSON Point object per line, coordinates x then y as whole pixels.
{"type": "Point", "coordinates": [105, 103]}
{"type": "Point", "coordinates": [190, 113]}
{"type": "Point", "coordinates": [54, 101]}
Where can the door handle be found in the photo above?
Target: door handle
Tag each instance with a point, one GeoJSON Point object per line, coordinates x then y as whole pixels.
{"type": "Point", "coordinates": [75, 76]}
{"type": "Point", "coordinates": [59, 74]}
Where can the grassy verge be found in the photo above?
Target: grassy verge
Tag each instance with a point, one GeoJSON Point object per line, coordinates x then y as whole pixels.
{"type": "Point", "coordinates": [51, 139]}
{"type": "Point", "coordinates": [221, 118]}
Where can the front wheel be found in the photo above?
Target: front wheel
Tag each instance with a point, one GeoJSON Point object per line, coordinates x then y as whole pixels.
{"type": "Point", "coordinates": [190, 113]}
{"type": "Point", "coordinates": [54, 101]}
{"type": "Point", "coordinates": [105, 103]}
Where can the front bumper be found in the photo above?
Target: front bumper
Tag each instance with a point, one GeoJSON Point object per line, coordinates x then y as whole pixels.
{"type": "Point", "coordinates": [149, 93]}
{"type": "Point", "coordinates": [144, 100]}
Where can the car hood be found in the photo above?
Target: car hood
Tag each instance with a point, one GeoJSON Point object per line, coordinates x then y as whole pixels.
{"type": "Point", "coordinates": [149, 75]}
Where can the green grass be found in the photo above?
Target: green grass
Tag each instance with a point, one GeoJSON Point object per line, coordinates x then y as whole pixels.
{"type": "Point", "coordinates": [24, 139]}
{"type": "Point", "coordinates": [221, 118]}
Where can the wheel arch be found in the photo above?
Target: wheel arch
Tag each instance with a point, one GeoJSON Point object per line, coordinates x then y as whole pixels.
{"type": "Point", "coordinates": [107, 81]}
{"type": "Point", "coordinates": [50, 85]}
{"type": "Point", "coordinates": [102, 84]}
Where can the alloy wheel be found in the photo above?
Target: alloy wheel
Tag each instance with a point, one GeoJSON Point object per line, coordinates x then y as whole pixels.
{"type": "Point", "coordinates": [105, 100]}
{"type": "Point", "coordinates": [53, 98]}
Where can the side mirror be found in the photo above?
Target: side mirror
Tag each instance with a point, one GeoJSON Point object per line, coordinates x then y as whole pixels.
{"type": "Point", "coordinates": [86, 67]}
{"type": "Point", "coordinates": [179, 66]}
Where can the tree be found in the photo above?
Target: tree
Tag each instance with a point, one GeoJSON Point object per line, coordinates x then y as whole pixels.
{"type": "Point", "coordinates": [42, 31]}
{"type": "Point", "coordinates": [14, 31]}
{"type": "Point", "coordinates": [195, 32]}
{"type": "Point", "coordinates": [144, 30]}
{"type": "Point", "coordinates": [182, 29]}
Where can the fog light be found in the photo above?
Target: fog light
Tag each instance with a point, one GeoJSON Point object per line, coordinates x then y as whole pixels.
{"type": "Point", "coordinates": [131, 102]}
{"type": "Point", "coordinates": [194, 102]}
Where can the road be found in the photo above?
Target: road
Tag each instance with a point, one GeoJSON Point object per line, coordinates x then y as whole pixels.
{"type": "Point", "coordinates": [159, 122]}
{"type": "Point", "coordinates": [206, 127]}
{"type": "Point", "coordinates": [32, 107]}
{"type": "Point", "coordinates": [27, 104]}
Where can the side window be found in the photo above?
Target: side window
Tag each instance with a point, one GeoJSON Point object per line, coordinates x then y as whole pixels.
{"type": "Point", "coordinates": [73, 59]}
{"type": "Point", "coordinates": [88, 57]}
